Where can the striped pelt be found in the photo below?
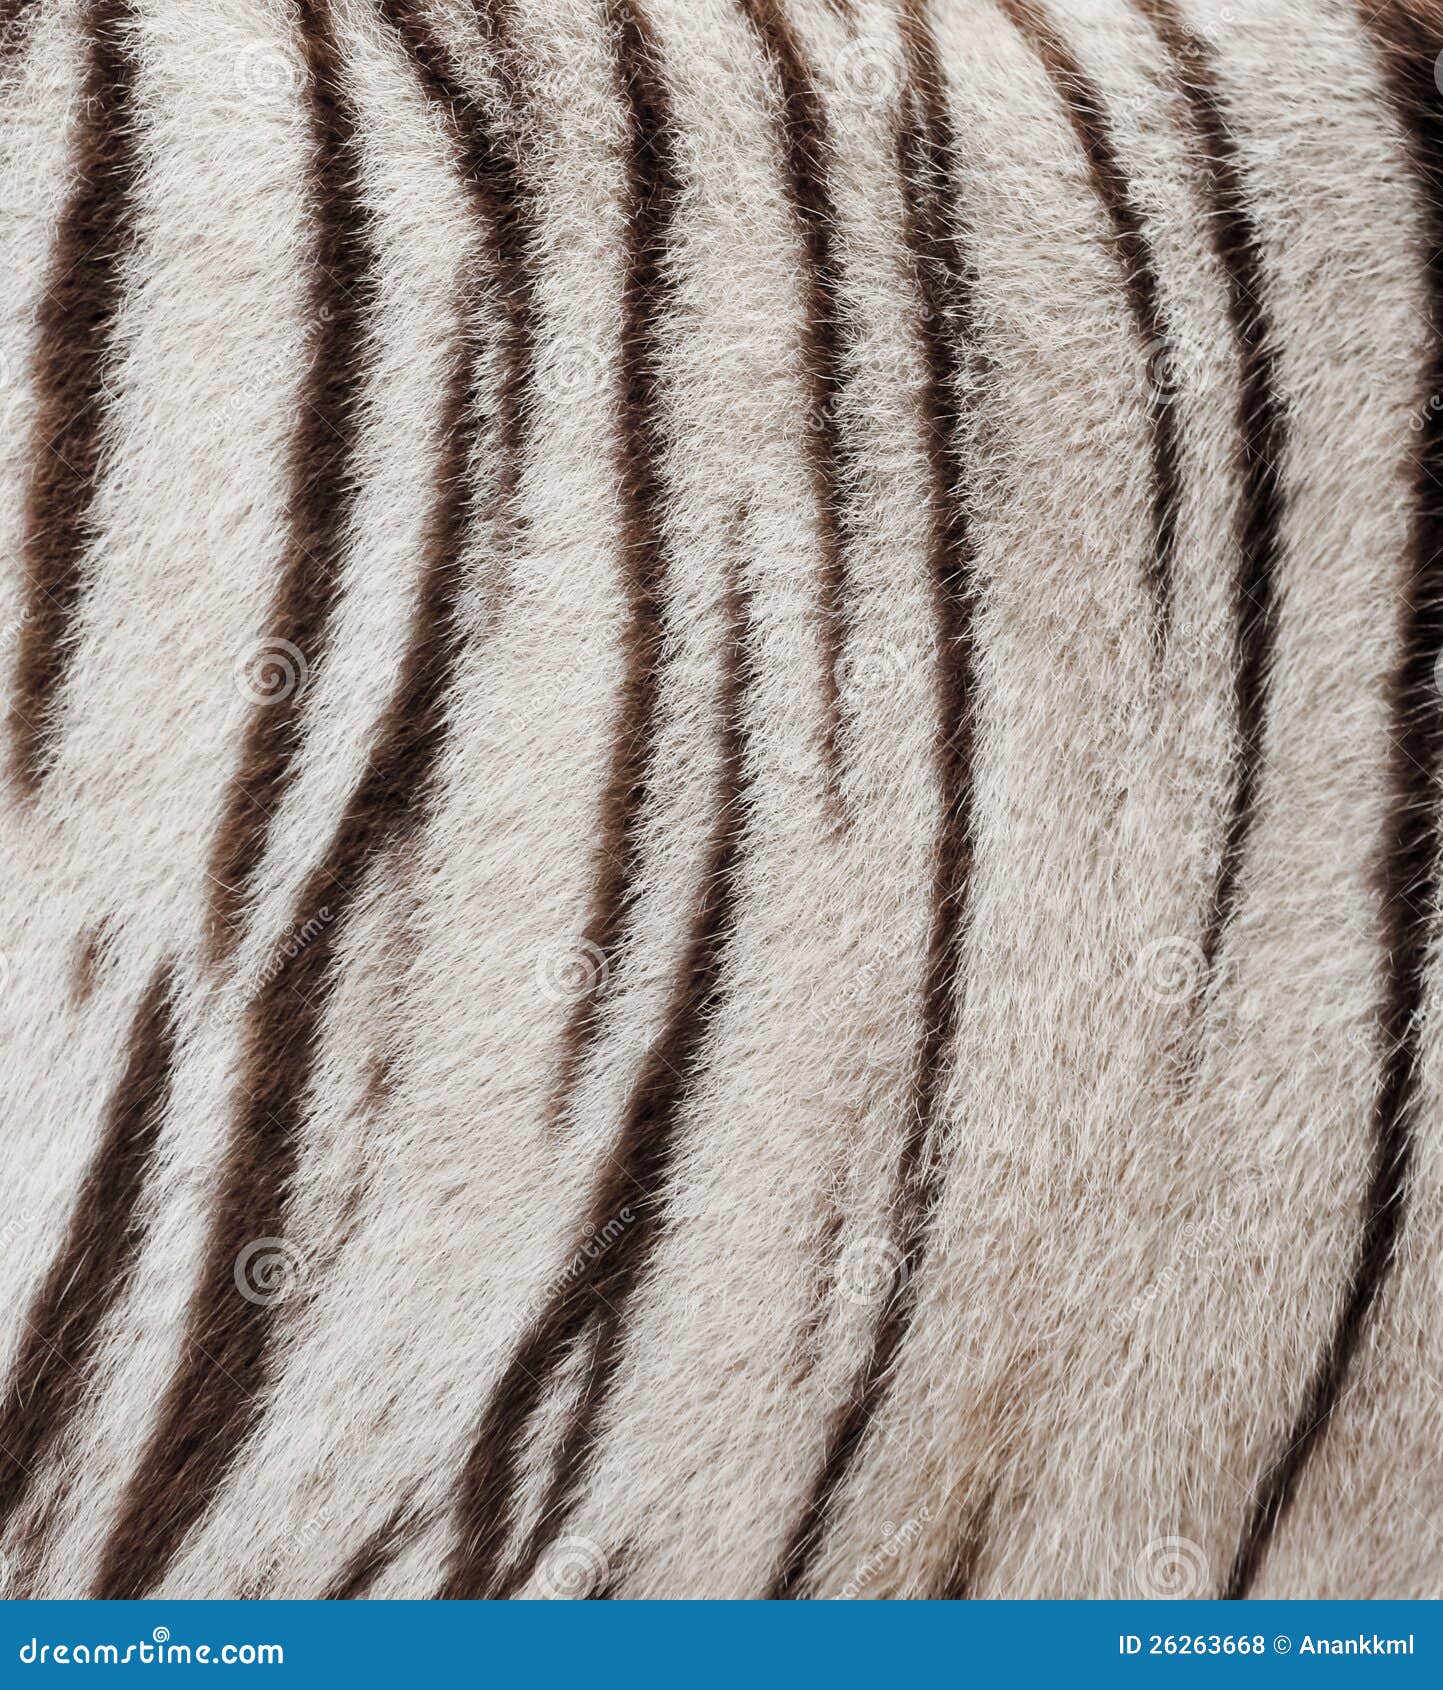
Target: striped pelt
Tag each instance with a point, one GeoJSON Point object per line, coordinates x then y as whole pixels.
{"type": "Point", "coordinates": [720, 800]}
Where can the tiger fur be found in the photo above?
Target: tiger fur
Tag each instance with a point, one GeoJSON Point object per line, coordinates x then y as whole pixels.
{"type": "Point", "coordinates": [721, 811]}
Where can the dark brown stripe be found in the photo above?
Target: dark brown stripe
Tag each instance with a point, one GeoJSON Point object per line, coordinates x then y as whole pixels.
{"type": "Point", "coordinates": [947, 325]}
{"type": "Point", "coordinates": [500, 193]}
{"type": "Point", "coordinates": [592, 1304]}
{"type": "Point", "coordinates": [568, 1463]}
{"type": "Point", "coordinates": [826, 343]}
{"type": "Point", "coordinates": [1087, 113]}
{"type": "Point", "coordinates": [216, 1394]}
{"type": "Point", "coordinates": [1261, 439]}
{"type": "Point", "coordinates": [73, 368]}
{"type": "Point", "coordinates": [654, 189]}
{"type": "Point", "coordinates": [52, 1369]}
{"type": "Point", "coordinates": [1408, 41]}
{"type": "Point", "coordinates": [91, 950]}
{"type": "Point", "coordinates": [382, 1547]}
{"type": "Point", "coordinates": [340, 299]}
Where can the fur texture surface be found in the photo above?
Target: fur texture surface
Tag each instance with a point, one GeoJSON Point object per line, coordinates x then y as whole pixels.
{"type": "Point", "coordinates": [721, 800]}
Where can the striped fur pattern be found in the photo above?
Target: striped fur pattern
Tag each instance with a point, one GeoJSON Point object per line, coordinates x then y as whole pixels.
{"type": "Point", "coordinates": [721, 798]}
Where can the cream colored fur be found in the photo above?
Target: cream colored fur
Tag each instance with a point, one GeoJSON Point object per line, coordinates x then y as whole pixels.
{"type": "Point", "coordinates": [1150, 1194]}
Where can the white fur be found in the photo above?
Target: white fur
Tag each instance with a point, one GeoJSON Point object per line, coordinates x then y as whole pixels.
{"type": "Point", "coordinates": [1135, 1264]}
